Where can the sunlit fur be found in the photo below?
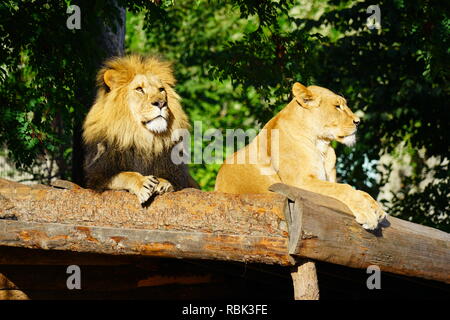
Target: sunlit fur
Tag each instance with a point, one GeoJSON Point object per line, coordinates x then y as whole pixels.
{"type": "Point", "coordinates": [304, 158]}
{"type": "Point", "coordinates": [331, 119]}
{"type": "Point", "coordinates": [131, 129]}
{"type": "Point", "coordinates": [112, 119]}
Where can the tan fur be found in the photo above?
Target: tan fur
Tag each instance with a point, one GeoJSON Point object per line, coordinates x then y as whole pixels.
{"type": "Point", "coordinates": [142, 186]}
{"type": "Point", "coordinates": [136, 112]}
{"type": "Point", "coordinates": [306, 126]}
{"type": "Point", "coordinates": [112, 119]}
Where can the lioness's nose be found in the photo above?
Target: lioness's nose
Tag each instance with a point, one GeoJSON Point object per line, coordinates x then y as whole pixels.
{"type": "Point", "coordinates": [160, 104]}
{"type": "Point", "coordinates": [356, 122]}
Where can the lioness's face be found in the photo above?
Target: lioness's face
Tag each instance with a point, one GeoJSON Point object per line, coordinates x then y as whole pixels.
{"type": "Point", "coordinates": [149, 102]}
{"type": "Point", "coordinates": [338, 121]}
{"type": "Point", "coordinates": [332, 118]}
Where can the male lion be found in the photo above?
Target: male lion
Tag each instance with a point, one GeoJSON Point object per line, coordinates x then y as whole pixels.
{"type": "Point", "coordinates": [129, 132]}
{"type": "Point", "coordinates": [305, 159]}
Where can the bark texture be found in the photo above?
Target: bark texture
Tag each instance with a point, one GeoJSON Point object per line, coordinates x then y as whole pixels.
{"type": "Point", "coordinates": [217, 226]}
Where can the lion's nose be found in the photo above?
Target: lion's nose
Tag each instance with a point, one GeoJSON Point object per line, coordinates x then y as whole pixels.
{"type": "Point", "coordinates": [160, 104]}
{"type": "Point", "coordinates": [356, 122]}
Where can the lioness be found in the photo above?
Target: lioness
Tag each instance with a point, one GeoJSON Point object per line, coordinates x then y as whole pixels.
{"type": "Point", "coordinates": [305, 127]}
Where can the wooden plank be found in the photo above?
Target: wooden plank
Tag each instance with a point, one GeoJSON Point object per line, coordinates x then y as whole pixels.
{"type": "Point", "coordinates": [329, 233]}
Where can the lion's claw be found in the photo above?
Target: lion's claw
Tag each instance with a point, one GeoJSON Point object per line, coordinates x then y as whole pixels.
{"type": "Point", "coordinates": [163, 187]}
{"type": "Point", "coordinates": [146, 188]}
{"type": "Point", "coordinates": [149, 186]}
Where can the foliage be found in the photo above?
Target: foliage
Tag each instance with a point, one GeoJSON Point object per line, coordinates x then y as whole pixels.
{"type": "Point", "coordinates": [398, 76]}
{"type": "Point", "coordinates": [236, 60]}
{"type": "Point", "coordinates": [47, 79]}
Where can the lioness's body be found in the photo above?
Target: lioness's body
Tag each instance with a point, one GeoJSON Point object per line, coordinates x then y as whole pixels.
{"type": "Point", "coordinates": [305, 158]}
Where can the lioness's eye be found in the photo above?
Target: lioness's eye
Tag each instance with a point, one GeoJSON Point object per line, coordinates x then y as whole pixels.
{"type": "Point", "coordinates": [161, 89]}
{"type": "Point", "coordinates": [139, 89]}
{"type": "Point", "coordinates": [339, 107]}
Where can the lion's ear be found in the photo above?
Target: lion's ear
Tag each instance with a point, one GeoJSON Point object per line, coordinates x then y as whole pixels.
{"type": "Point", "coordinates": [110, 78]}
{"type": "Point", "coordinates": [304, 97]}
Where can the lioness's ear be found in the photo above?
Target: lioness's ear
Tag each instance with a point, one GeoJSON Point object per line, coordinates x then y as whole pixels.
{"type": "Point", "coordinates": [109, 77]}
{"type": "Point", "coordinates": [304, 97]}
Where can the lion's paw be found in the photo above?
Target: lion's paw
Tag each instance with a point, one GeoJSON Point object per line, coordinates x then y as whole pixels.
{"type": "Point", "coordinates": [146, 188]}
{"type": "Point", "coordinates": [163, 187]}
{"type": "Point", "coordinates": [367, 211]}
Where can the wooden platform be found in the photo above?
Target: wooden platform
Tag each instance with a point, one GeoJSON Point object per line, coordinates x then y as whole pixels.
{"type": "Point", "coordinates": [211, 243]}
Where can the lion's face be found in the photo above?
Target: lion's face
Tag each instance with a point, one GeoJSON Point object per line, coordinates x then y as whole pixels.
{"type": "Point", "coordinates": [148, 102]}
{"type": "Point", "coordinates": [328, 113]}
{"type": "Point", "coordinates": [137, 106]}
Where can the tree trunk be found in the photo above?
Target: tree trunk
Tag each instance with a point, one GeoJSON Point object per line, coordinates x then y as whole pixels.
{"type": "Point", "coordinates": [109, 39]}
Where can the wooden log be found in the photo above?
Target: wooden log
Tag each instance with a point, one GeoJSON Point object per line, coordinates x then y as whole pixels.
{"type": "Point", "coordinates": [189, 210]}
{"type": "Point", "coordinates": [155, 243]}
{"type": "Point", "coordinates": [13, 295]}
{"type": "Point", "coordinates": [329, 233]}
{"type": "Point", "coordinates": [217, 226]}
{"type": "Point", "coordinates": [306, 285]}
{"type": "Point", "coordinates": [185, 224]}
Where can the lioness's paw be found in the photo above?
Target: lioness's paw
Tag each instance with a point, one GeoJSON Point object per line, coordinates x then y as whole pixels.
{"type": "Point", "coordinates": [145, 188]}
{"type": "Point", "coordinates": [367, 211]}
{"type": "Point", "coordinates": [163, 187]}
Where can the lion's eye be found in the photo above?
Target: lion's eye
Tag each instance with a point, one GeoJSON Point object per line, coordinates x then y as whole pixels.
{"type": "Point", "coordinates": [161, 89]}
{"type": "Point", "coordinates": [339, 107]}
{"type": "Point", "coordinates": [139, 89]}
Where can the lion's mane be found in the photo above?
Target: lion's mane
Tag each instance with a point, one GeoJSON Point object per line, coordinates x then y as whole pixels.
{"type": "Point", "coordinates": [115, 141]}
